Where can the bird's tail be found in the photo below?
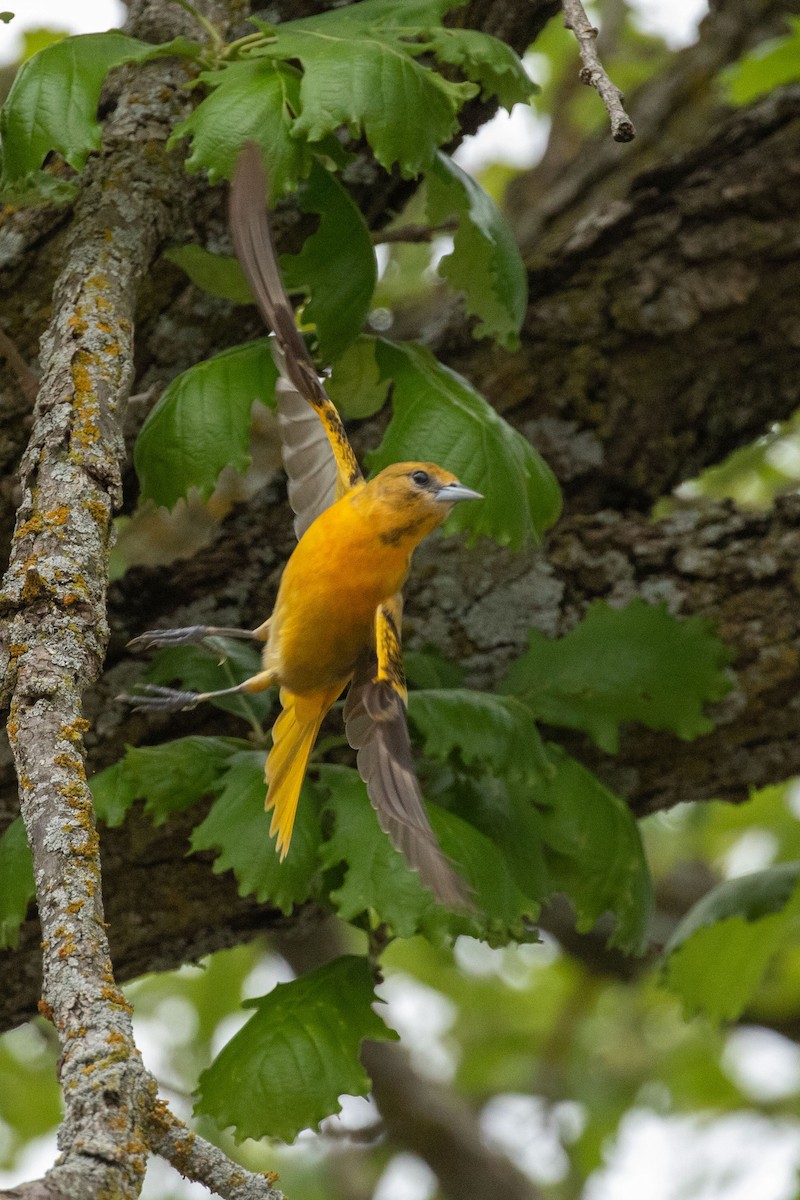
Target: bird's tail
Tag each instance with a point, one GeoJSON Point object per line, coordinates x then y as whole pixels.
{"type": "Point", "coordinates": [293, 736]}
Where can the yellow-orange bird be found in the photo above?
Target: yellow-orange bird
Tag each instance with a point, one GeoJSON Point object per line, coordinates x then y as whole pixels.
{"type": "Point", "coordinates": [338, 610]}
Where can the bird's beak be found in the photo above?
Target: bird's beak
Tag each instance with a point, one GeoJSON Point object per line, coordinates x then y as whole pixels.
{"type": "Point", "coordinates": [451, 492]}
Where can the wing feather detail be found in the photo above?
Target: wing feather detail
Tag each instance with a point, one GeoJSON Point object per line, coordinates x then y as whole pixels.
{"type": "Point", "coordinates": [317, 454]}
{"type": "Point", "coordinates": [376, 728]}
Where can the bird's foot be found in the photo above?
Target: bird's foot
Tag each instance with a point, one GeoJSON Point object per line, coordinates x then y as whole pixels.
{"type": "Point", "coordinates": [160, 639]}
{"type": "Point", "coordinates": [154, 698]}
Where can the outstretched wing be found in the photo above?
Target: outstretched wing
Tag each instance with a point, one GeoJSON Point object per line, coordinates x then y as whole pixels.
{"type": "Point", "coordinates": [375, 722]}
{"type": "Point", "coordinates": [317, 454]}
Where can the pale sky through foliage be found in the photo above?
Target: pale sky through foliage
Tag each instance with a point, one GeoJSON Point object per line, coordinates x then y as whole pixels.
{"type": "Point", "coordinates": [655, 1157]}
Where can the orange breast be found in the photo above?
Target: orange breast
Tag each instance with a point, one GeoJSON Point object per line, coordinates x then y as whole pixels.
{"type": "Point", "coordinates": [334, 581]}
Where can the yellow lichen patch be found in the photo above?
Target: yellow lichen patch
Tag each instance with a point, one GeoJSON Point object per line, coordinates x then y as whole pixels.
{"type": "Point", "coordinates": [98, 510]}
{"type": "Point", "coordinates": [45, 1010]}
{"type": "Point", "coordinates": [68, 761]}
{"type": "Point", "coordinates": [114, 996]}
{"type": "Point", "coordinates": [34, 586]}
{"type": "Point", "coordinates": [75, 731]}
{"type": "Point", "coordinates": [115, 1038]}
{"type": "Point", "coordinates": [32, 525]}
{"type": "Point", "coordinates": [57, 516]}
{"type": "Point", "coordinates": [75, 907]}
{"type": "Point", "coordinates": [78, 325]}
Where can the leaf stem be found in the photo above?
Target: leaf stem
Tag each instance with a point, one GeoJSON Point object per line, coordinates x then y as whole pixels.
{"type": "Point", "coordinates": [213, 33]}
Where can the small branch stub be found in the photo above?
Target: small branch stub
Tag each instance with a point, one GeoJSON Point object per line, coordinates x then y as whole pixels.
{"type": "Point", "coordinates": [592, 72]}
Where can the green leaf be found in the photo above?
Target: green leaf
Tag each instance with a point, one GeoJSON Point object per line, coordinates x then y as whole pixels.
{"type": "Point", "coordinates": [377, 879]}
{"type": "Point", "coordinates": [738, 927]}
{"type": "Point", "coordinates": [285, 1070]}
{"type": "Point", "coordinates": [360, 73]}
{"type": "Point", "coordinates": [594, 851]}
{"type": "Point", "coordinates": [238, 828]}
{"type": "Point", "coordinates": [485, 263]}
{"type": "Point", "coordinates": [428, 668]}
{"type": "Point", "coordinates": [219, 663]}
{"type": "Point", "coordinates": [169, 778]}
{"type": "Point", "coordinates": [504, 911]}
{"type": "Point", "coordinates": [255, 100]}
{"type": "Point", "coordinates": [376, 876]}
{"type": "Point", "coordinates": [218, 274]}
{"type": "Point", "coordinates": [487, 61]}
{"type": "Point", "coordinates": [638, 663]}
{"type": "Point", "coordinates": [439, 417]}
{"type": "Point", "coordinates": [17, 887]}
{"type": "Point", "coordinates": [37, 188]}
{"type": "Point", "coordinates": [52, 104]}
{"type": "Point", "coordinates": [113, 790]}
{"type": "Point", "coordinates": [770, 65]}
{"type": "Point", "coordinates": [336, 266]}
{"type": "Point", "coordinates": [496, 730]}
{"type": "Point", "coordinates": [355, 384]}
{"type": "Point", "coordinates": [202, 423]}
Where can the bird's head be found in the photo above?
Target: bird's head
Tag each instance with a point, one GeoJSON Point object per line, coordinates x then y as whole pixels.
{"type": "Point", "coordinates": [414, 498]}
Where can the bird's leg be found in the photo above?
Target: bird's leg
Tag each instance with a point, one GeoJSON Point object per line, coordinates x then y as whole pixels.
{"type": "Point", "coordinates": [154, 698]}
{"type": "Point", "coordinates": [191, 635]}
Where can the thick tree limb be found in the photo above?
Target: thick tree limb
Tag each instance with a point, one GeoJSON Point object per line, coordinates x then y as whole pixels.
{"type": "Point", "coordinates": [53, 599]}
{"type": "Point", "coordinates": [442, 1128]}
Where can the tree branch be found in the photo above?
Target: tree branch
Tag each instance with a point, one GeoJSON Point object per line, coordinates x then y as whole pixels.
{"type": "Point", "coordinates": [202, 1162]}
{"type": "Point", "coordinates": [53, 598]}
{"type": "Point", "coordinates": [593, 73]}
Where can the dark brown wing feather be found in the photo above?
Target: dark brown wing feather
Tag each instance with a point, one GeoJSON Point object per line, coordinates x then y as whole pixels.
{"type": "Point", "coordinates": [317, 454]}
{"type": "Point", "coordinates": [375, 722]}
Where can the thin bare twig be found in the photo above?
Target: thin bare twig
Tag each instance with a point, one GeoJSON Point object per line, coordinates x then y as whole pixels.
{"type": "Point", "coordinates": [413, 233]}
{"type": "Point", "coordinates": [592, 72]}
{"type": "Point", "coordinates": [202, 1162]}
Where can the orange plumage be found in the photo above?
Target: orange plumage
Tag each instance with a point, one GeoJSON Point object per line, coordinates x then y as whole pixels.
{"type": "Point", "coordinates": [338, 610]}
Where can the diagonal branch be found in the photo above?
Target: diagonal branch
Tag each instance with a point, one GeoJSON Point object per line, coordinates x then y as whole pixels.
{"type": "Point", "coordinates": [54, 601]}
{"type": "Point", "coordinates": [593, 72]}
{"type": "Point", "coordinates": [202, 1162]}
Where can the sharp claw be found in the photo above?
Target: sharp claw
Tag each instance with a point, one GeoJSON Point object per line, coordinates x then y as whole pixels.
{"type": "Point", "coordinates": [154, 698]}
{"type": "Point", "coordinates": [158, 639]}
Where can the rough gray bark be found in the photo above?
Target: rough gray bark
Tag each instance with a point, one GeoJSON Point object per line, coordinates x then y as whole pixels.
{"type": "Point", "coordinates": [53, 602]}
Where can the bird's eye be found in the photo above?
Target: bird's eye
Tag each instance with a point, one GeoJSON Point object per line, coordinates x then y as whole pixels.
{"type": "Point", "coordinates": [421, 478]}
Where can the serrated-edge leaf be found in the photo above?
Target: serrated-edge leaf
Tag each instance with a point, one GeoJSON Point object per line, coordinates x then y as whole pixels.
{"type": "Point", "coordinates": [370, 83]}
{"type": "Point", "coordinates": [485, 264]}
{"type": "Point", "coordinates": [201, 423]}
{"type": "Point", "coordinates": [376, 876]}
{"type": "Point", "coordinates": [637, 663]}
{"type": "Point", "coordinates": [483, 727]}
{"type": "Point", "coordinates": [595, 853]}
{"type": "Point", "coordinates": [17, 887]}
{"type": "Point", "coordinates": [237, 828]}
{"type": "Point", "coordinates": [169, 777]}
{"type": "Point", "coordinates": [52, 104]}
{"type": "Point", "coordinates": [257, 99]}
{"type": "Point", "coordinates": [286, 1068]}
{"type": "Point", "coordinates": [336, 265]}
{"type": "Point", "coordinates": [489, 62]}
{"type": "Point", "coordinates": [438, 416]}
